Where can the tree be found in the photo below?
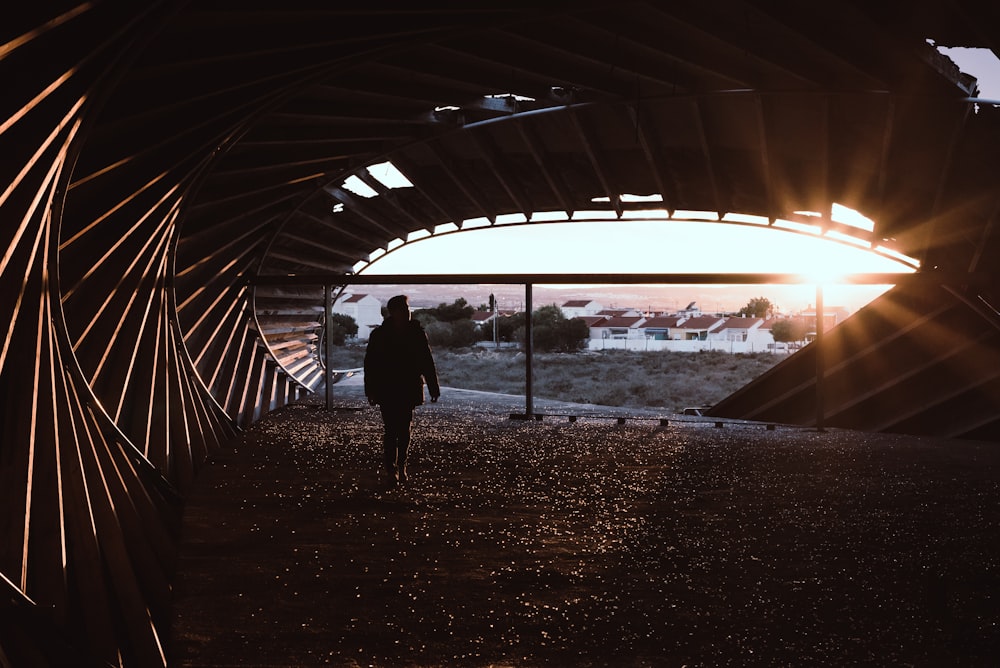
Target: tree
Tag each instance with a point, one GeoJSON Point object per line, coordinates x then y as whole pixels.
{"type": "Point", "coordinates": [457, 310]}
{"type": "Point", "coordinates": [342, 327]}
{"type": "Point", "coordinates": [551, 331]}
{"type": "Point", "coordinates": [549, 314]}
{"type": "Point", "coordinates": [573, 334]}
{"type": "Point", "coordinates": [509, 326]}
{"type": "Point", "coordinates": [424, 318]}
{"type": "Point", "coordinates": [789, 330]}
{"type": "Point", "coordinates": [758, 307]}
{"type": "Point", "coordinates": [458, 334]}
{"type": "Point", "coordinates": [544, 323]}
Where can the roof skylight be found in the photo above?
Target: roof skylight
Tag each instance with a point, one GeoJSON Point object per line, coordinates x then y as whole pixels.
{"type": "Point", "coordinates": [359, 187]}
{"type": "Point", "coordinates": [980, 63]}
{"type": "Point", "coordinates": [843, 214]}
{"type": "Point", "coordinates": [388, 175]}
{"type": "Point", "coordinates": [656, 197]}
{"type": "Point", "coordinates": [519, 98]}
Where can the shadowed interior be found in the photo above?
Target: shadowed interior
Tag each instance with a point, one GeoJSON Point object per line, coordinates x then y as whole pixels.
{"type": "Point", "coordinates": [166, 160]}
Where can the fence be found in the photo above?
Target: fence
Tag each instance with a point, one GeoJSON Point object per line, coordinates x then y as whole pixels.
{"type": "Point", "coordinates": [645, 344]}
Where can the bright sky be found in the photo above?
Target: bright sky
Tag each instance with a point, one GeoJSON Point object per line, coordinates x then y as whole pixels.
{"type": "Point", "coordinates": [667, 246]}
{"type": "Point", "coordinates": [980, 63]}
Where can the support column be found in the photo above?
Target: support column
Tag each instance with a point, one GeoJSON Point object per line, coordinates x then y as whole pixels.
{"type": "Point", "coordinates": [328, 340]}
{"type": "Point", "coordinates": [820, 365]}
{"type": "Point", "coordinates": [529, 402]}
{"type": "Point", "coordinates": [267, 390]}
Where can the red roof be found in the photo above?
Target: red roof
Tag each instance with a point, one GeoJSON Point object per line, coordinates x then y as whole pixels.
{"type": "Point", "coordinates": [620, 321]}
{"type": "Point", "coordinates": [592, 320]}
{"type": "Point", "coordinates": [700, 322]}
{"type": "Point", "coordinates": [355, 298]}
{"type": "Point", "coordinates": [740, 323]}
{"type": "Point", "coordinates": [577, 303]}
{"type": "Point", "coordinates": [661, 321]}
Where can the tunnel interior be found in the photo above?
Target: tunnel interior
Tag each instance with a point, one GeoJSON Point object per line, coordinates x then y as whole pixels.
{"type": "Point", "coordinates": [169, 168]}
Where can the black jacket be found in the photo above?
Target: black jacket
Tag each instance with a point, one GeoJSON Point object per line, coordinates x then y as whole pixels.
{"type": "Point", "coordinates": [397, 362]}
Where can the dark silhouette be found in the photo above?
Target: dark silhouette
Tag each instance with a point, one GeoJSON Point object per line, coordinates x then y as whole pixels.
{"type": "Point", "coordinates": [398, 361]}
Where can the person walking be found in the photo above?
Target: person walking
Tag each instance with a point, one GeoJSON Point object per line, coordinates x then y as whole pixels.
{"type": "Point", "coordinates": [398, 362]}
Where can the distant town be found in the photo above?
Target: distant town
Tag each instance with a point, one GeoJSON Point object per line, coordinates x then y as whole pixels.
{"type": "Point", "coordinates": [691, 328]}
{"type": "Point", "coordinates": [721, 299]}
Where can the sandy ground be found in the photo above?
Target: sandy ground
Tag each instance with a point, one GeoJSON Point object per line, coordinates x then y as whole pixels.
{"type": "Point", "coordinates": [587, 543]}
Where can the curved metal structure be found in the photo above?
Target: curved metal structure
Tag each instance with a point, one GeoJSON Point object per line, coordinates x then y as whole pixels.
{"type": "Point", "coordinates": [161, 157]}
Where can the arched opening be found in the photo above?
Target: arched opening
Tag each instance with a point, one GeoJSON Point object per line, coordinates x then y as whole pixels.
{"type": "Point", "coordinates": [657, 242]}
{"type": "Point", "coordinates": [650, 242]}
{"type": "Point", "coordinates": [144, 185]}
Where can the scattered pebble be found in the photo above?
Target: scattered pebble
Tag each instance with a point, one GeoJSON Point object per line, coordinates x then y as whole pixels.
{"type": "Point", "coordinates": [587, 543]}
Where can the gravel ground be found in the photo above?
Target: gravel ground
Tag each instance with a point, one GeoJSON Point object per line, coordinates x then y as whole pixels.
{"type": "Point", "coordinates": [587, 543]}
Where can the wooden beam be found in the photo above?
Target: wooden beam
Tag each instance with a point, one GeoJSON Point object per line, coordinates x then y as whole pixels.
{"type": "Point", "coordinates": [706, 152]}
{"type": "Point", "coordinates": [920, 278]}
{"type": "Point", "coordinates": [478, 199]}
{"type": "Point", "coordinates": [596, 161]}
{"type": "Point", "coordinates": [536, 148]}
{"type": "Point", "coordinates": [648, 143]}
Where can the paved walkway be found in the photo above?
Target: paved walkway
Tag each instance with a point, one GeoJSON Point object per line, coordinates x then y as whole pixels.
{"type": "Point", "coordinates": [587, 543]}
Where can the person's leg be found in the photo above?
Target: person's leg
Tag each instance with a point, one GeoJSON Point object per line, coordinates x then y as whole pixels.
{"type": "Point", "coordinates": [397, 420]}
{"type": "Point", "coordinates": [390, 438]}
{"type": "Point", "coordinates": [403, 442]}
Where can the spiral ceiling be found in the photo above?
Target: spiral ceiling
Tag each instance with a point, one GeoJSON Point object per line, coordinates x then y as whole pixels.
{"type": "Point", "coordinates": [162, 159]}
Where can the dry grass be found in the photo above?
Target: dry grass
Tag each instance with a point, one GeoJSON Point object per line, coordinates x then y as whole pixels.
{"type": "Point", "coordinates": [667, 380]}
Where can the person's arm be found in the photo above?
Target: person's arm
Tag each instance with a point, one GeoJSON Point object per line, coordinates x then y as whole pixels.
{"type": "Point", "coordinates": [429, 371]}
{"type": "Point", "coordinates": [371, 366]}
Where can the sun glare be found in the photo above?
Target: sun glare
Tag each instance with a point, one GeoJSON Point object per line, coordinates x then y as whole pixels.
{"type": "Point", "coordinates": [693, 245]}
{"type": "Point", "coordinates": [636, 247]}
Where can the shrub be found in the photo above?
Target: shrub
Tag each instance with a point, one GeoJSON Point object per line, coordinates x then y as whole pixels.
{"type": "Point", "coordinates": [455, 334]}
{"type": "Point", "coordinates": [666, 380]}
{"type": "Point", "coordinates": [342, 327]}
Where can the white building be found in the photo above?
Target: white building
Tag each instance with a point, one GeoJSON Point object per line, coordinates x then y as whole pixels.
{"type": "Point", "coordinates": [365, 309]}
{"type": "Point", "coordinates": [658, 327]}
{"type": "Point", "coordinates": [618, 327]}
{"type": "Point", "coordinates": [695, 329]}
{"type": "Point", "coordinates": [736, 329]}
{"type": "Point", "coordinates": [690, 311]}
{"type": "Point", "coordinates": [577, 308]}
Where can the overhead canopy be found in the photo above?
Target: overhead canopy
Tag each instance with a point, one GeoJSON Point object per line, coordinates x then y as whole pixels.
{"type": "Point", "coordinates": [160, 157]}
{"type": "Point", "coordinates": [242, 127]}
